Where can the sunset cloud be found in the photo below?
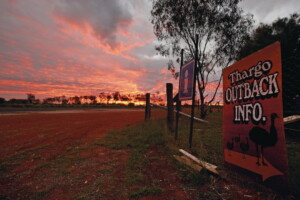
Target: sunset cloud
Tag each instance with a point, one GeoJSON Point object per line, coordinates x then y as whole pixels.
{"type": "Point", "coordinates": [106, 20]}
{"type": "Point", "coordinates": [76, 47]}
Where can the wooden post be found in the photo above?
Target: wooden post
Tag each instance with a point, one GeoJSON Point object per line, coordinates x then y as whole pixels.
{"type": "Point", "coordinates": [193, 97]}
{"type": "Point", "coordinates": [178, 109]}
{"type": "Point", "coordinates": [148, 107]}
{"type": "Point", "coordinates": [170, 116]}
{"type": "Point", "coordinates": [178, 103]}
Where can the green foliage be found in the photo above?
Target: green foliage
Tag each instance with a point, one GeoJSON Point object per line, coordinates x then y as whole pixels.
{"type": "Point", "coordinates": [287, 31]}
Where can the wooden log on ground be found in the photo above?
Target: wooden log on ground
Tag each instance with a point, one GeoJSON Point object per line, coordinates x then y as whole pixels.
{"type": "Point", "coordinates": [188, 162]}
{"type": "Point", "coordinates": [210, 167]}
{"type": "Point", "coordinates": [291, 119]}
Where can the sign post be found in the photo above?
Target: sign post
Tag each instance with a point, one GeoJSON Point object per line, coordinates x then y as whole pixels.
{"type": "Point", "coordinates": [193, 95]}
{"type": "Point", "coordinates": [253, 132]}
{"type": "Point", "coordinates": [187, 86]}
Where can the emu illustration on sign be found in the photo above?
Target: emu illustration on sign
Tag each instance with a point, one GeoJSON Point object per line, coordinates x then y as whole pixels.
{"type": "Point", "coordinates": [253, 131]}
{"type": "Point", "coordinates": [186, 81]}
{"type": "Point", "coordinates": [264, 138]}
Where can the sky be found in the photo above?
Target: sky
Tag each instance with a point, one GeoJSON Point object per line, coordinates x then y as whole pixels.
{"type": "Point", "coordinates": [84, 47]}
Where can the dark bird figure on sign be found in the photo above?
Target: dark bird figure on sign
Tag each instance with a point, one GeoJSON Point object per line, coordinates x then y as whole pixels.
{"type": "Point", "coordinates": [261, 137]}
{"type": "Point", "coordinates": [244, 147]}
{"type": "Point", "coordinates": [230, 145]}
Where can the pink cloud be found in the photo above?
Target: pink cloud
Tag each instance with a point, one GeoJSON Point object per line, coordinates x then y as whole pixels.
{"type": "Point", "coordinates": [51, 51]}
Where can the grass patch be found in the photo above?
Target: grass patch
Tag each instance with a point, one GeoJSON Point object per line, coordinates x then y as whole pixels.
{"type": "Point", "coordinates": [39, 195]}
{"type": "Point", "coordinates": [2, 197]}
{"type": "Point", "coordinates": [207, 145]}
{"type": "Point", "coordinates": [19, 158]}
{"type": "Point", "coordinates": [3, 167]}
{"type": "Point", "coordinates": [137, 140]}
{"type": "Point", "coordinates": [207, 138]}
{"type": "Point", "coordinates": [192, 178]}
{"type": "Point", "coordinates": [144, 191]}
{"type": "Point", "coordinates": [140, 138]}
{"type": "Point", "coordinates": [294, 168]}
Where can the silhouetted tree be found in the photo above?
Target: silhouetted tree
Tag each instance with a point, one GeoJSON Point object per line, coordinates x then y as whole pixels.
{"type": "Point", "coordinates": [116, 96]}
{"type": "Point", "coordinates": [77, 100]}
{"type": "Point", "coordinates": [287, 31]}
{"type": "Point", "coordinates": [64, 100]}
{"type": "Point", "coordinates": [2, 100]}
{"type": "Point", "coordinates": [30, 98]}
{"type": "Point", "coordinates": [93, 99]}
{"type": "Point", "coordinates": [220, 25]}
{"type": "Point", "coordinates": [125, 98]}
{"type": "Point", "coordinates": [108, 97]}
{"type": "Point", "coordinates": [102, 97]}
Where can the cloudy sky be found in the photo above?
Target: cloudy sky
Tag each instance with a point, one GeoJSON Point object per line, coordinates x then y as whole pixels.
{"type": "Point", "coordinates": [83, 47]}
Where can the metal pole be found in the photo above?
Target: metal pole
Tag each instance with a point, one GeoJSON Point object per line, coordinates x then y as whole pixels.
{"type": "Point", "coordinates": [170, 117]}
{"type": "Point", "coordinates": [193, 97]}
{"type": "Point", "coordinates": [178, 103]}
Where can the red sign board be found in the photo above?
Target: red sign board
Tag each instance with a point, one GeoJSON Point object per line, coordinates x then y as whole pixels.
{"type": "Point", "coordinates": [253, 132]}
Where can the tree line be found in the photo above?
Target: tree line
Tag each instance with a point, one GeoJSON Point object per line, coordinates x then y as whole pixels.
{"type": "Point", "coordinates": [102, 98]}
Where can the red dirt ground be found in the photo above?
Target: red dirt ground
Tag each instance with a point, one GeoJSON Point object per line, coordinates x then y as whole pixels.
{"type": "Point", "coordinates": [52, 155]}
{"type": "Point", "coordinates": [48, 155]}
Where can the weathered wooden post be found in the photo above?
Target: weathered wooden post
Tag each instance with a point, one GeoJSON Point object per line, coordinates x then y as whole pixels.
{"type": "Point", "coordinates": [170, 116]}
{"type": "Point", "coordinates": [148, 107]}
{"type": "Point", "coordinates": [193, 98]}
{"type": "Point", "coordinates": [178, 109]}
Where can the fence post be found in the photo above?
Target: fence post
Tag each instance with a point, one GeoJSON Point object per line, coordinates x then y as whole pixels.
{"type": "Point", "coordinates": [148, 107]}
{"type": "Point", "coordinates": [178, 109]}
{"type": "Point", "coordinates": [170, 117]}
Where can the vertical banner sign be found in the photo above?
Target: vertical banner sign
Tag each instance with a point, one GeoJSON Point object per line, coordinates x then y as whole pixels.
{"type": "Point", "coordinates": [253, 132]}
{"type": "Point", "coordinates": [186, 80]}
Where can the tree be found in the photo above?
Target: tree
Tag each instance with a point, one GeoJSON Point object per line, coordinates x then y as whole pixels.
{"type": "Point", "coordinates": [2, 100]}
{"type": "Point", "coordinates": [77, 100]}
{"type": "Point", "coordinates": [220, 25]}
{"type": "Point", "coordinates": [108, 97]}
{"type": "Point", "coordinates": [116, 96]}
{"type": "Point", "coordinates": [30, 98]}
{"type": "Point", "coordinates": [93, 99]}
{"type": "Point", "coordinates": [102, 97]}
{"type": "Point", "coordinates": [287, 31]}
{"type": "Point", "coordinates": [64, 99]}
